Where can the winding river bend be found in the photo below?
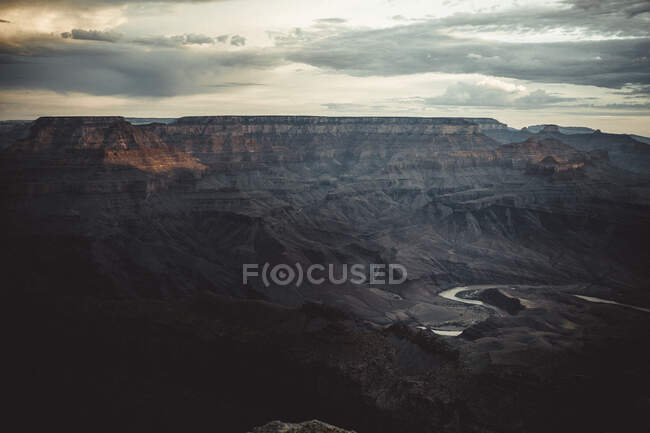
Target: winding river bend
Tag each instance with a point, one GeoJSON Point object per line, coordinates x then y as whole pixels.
{"type": "Point", "coordinates": [447, 333]}
{"type": "Point", "coordinates": [451, 295]}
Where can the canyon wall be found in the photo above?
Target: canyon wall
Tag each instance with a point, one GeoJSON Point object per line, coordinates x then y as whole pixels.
{"type": "Point", "coordinates": [168, 209]}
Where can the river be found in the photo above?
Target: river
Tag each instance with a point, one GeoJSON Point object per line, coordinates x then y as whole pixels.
{"type": "Point", "coordinates": [451, 295]}
{"type": "Point", "coordinates": [607, 301]}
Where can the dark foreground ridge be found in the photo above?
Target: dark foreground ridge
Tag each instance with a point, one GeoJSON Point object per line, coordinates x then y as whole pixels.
{"type": "Point", "coordinates": [124, 290]}
{"type": "Point", "coordinates": [304, 427]}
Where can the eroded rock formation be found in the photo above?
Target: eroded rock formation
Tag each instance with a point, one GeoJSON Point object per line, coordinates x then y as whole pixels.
{"type": "Point", "coordinates": [126, 244]}
{"type": "Point", "coordinates": [429, 193]}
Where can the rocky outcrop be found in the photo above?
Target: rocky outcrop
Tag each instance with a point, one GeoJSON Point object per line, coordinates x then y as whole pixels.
{"type": "Point", "coordinates": [243, 142]}
{"type": "Point", "coordinates": [535, 150]}
{"type": "Point", "coordinates": [550, 166]}
{"type": "Point", "coordinates": [500, 300]}
{"type": "Point", "coordinates": [91, 155]}
{"type": "Point", "coordinates": [313, 426]}
{"type": "Point", "coordinates": [624, 151]}
{"type": "Point", "coordinates": [487, 124]}
{"type": "Point", "coordinates": [563, 129]}
{"type": "Point", "coordinates": [67, 133]}
{"type": "Point", "coordinates": [161, 159]}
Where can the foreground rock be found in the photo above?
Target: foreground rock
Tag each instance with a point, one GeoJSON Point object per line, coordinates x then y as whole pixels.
{"type": "Point", "coordinates": [303, 427]}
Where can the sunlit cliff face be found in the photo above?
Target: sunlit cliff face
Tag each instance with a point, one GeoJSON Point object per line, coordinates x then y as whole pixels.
{"type": "Point", "coordinates": [569, 62]}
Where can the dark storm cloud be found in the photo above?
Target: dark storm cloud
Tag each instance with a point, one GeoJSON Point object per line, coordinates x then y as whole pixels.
{"type": "Point", "coordinates": [420, 48]}
{"type": "Point", "coordinates": [119, 68]}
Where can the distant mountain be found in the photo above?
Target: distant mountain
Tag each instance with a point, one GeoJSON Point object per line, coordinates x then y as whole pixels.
{"type": "Point", "coordinates": [562, 129]}
{"type": "Point", "coordinates": [625, 151]}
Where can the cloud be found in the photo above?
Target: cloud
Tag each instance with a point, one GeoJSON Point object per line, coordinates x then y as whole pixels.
{"type": "Point", "coordinates": [502, 85]}
{"type": "Point", "coordinates": [174, 41]}
{"type": "Point", "coordinates": [234, 84]}
{"type": "Point", "coordinates": [160, 41]}
{"type": "Point", "coordinates": [420, 48]}
{"type": "Point", "coordinates": [540, 98]}
{"type": "Point", "coordinates": [630, 8]}
{"type": "Point", "coordinates": [85, 4]}
{"type": "Point", "coordinates": [123, 68]}
{"type": "Point", "coordinates": [635, 91]}
{"type": "Point", "coordinates": [343, 106]}
{"type": "Point", "coordinates": [603, 18]}
{"type": "Point", "coordinates": [331, 21]}
{"type": "Point", "coordinates": [92, 35]}
{"type": "Point", "coordinates": [238, 41]}
{"type": "Point", "coordinates": [494, 93]}
{"type": "Point", "coordinates": [468, 94]}
{"type": "Point", "coordinates": [623, 106]}
{"type": "Point", "coordinates": [616, 56]}
{"type": "Point", "coordinates": [600, 43]}
{"type": "Point", "coordinates": [197, 39]}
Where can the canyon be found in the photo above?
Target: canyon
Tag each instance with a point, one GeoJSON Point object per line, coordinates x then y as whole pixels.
{"type": "Point", "coordinates": [126, 241]}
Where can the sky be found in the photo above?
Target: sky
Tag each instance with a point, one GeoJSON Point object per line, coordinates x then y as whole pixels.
{"type": "Point", "coordinates": [567, 62]}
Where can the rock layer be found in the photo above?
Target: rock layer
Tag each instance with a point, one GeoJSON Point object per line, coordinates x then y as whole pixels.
{"type": "Point", "coordinates": [186, 203]}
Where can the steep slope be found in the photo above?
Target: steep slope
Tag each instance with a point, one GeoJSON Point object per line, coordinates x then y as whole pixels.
{"type": "Point", "coordinates": [12, 131]}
